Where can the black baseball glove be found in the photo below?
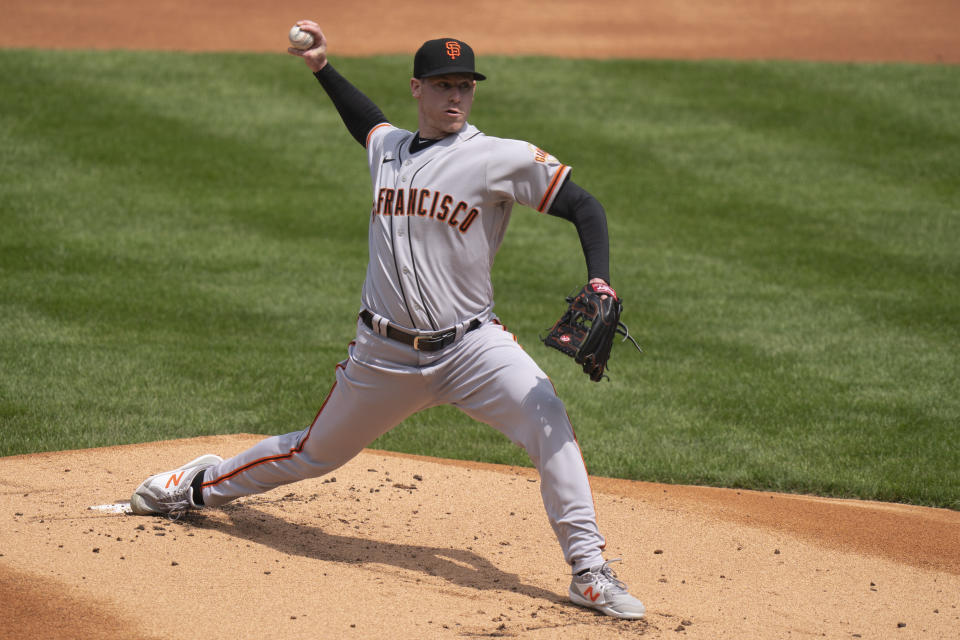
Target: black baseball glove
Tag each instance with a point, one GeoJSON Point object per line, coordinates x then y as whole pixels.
{"type": "Point", "coordinates": [587, 328]}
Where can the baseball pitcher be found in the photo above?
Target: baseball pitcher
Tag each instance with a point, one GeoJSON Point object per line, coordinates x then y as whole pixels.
{"type": "Point", "coordinates": [441, 199]}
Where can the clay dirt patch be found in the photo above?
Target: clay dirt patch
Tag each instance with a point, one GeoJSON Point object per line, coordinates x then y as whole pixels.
{"type": "Point", "coordinates": [879, 30]}
{"type": "Point", "coordinates": [394, 546]}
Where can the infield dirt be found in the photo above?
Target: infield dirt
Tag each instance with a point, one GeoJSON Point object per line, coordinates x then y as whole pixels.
{"type": "Point", "coordinates": [407, 547]}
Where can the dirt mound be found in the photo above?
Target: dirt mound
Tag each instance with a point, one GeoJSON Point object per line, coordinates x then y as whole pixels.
{"type": "Point", "coordinates": [400, 547]}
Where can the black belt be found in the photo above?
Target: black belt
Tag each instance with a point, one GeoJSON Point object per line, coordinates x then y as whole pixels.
{"type": "Point", "coordinates": [421, 342]}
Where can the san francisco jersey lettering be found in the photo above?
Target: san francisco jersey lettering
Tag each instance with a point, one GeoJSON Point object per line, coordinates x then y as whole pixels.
{"type": "Point", "coordinates": [448, 205]}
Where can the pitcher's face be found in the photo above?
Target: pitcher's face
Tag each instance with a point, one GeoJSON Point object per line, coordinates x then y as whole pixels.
{"type": "Point", "coordinates": [444, 102]}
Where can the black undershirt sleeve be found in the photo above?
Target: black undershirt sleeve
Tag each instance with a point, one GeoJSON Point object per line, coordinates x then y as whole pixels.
{"type": "Point", "coordinates": [575, 204]}
{"type": "Point", "coordinates": [358, 111]}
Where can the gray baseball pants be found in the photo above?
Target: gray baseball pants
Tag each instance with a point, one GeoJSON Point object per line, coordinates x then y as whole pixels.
{"type": "Point", "coordinates": [486, 374]}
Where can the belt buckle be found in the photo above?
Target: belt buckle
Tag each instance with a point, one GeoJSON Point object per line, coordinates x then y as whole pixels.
{"type": "Point", "coordinates": [442, 338]}
{"type": "Point", "coordinates": [437, 341]}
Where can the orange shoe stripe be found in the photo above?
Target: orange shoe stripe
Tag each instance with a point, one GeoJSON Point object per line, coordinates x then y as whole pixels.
{"type": "Point", "coordinates": [590, 593]}
{"type": "Point", "coordinates": [175, 479]}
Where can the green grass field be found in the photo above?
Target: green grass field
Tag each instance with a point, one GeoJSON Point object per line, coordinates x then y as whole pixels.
{"type": "Point", "coordinates": [183, 241]}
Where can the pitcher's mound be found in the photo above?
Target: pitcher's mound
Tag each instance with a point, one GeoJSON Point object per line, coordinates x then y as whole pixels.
{"type": "Point", "coordinates": [400, 547]}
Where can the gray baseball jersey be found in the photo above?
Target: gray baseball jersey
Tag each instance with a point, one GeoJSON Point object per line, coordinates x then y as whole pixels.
{"type": "Point", "coordinates": [438, 218]}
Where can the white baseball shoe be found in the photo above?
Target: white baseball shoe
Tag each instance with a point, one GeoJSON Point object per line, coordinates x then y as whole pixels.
{"type": "Point", "coordinates": [170, 491]}
{"type": "Point", "coordinates": [598, 588]}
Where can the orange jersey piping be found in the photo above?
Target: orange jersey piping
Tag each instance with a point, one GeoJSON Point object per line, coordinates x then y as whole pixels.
{"type": "Point", "coordinates": [554, 183]}
{"type": "Point", "coordinates": [382, 124]}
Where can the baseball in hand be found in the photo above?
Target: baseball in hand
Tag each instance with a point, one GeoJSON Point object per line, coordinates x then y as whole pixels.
{"type": "Point", "coordinates": [300, 39]}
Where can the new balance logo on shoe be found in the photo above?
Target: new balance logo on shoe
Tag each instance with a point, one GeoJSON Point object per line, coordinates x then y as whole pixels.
{"type": "Point", "coordinates": [600, 589]}
{"type": "Point", "coordinates": [175, 479]}
{"type": "Point", "coordinates": [169, 492]}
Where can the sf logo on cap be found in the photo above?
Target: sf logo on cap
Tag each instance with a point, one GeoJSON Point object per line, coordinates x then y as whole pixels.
{"type": "Point", "coordinates": [453, 49]}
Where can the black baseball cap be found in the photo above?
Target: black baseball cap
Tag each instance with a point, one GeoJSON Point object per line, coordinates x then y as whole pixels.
{"type": "Point", "coordinates": [444, 55]}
